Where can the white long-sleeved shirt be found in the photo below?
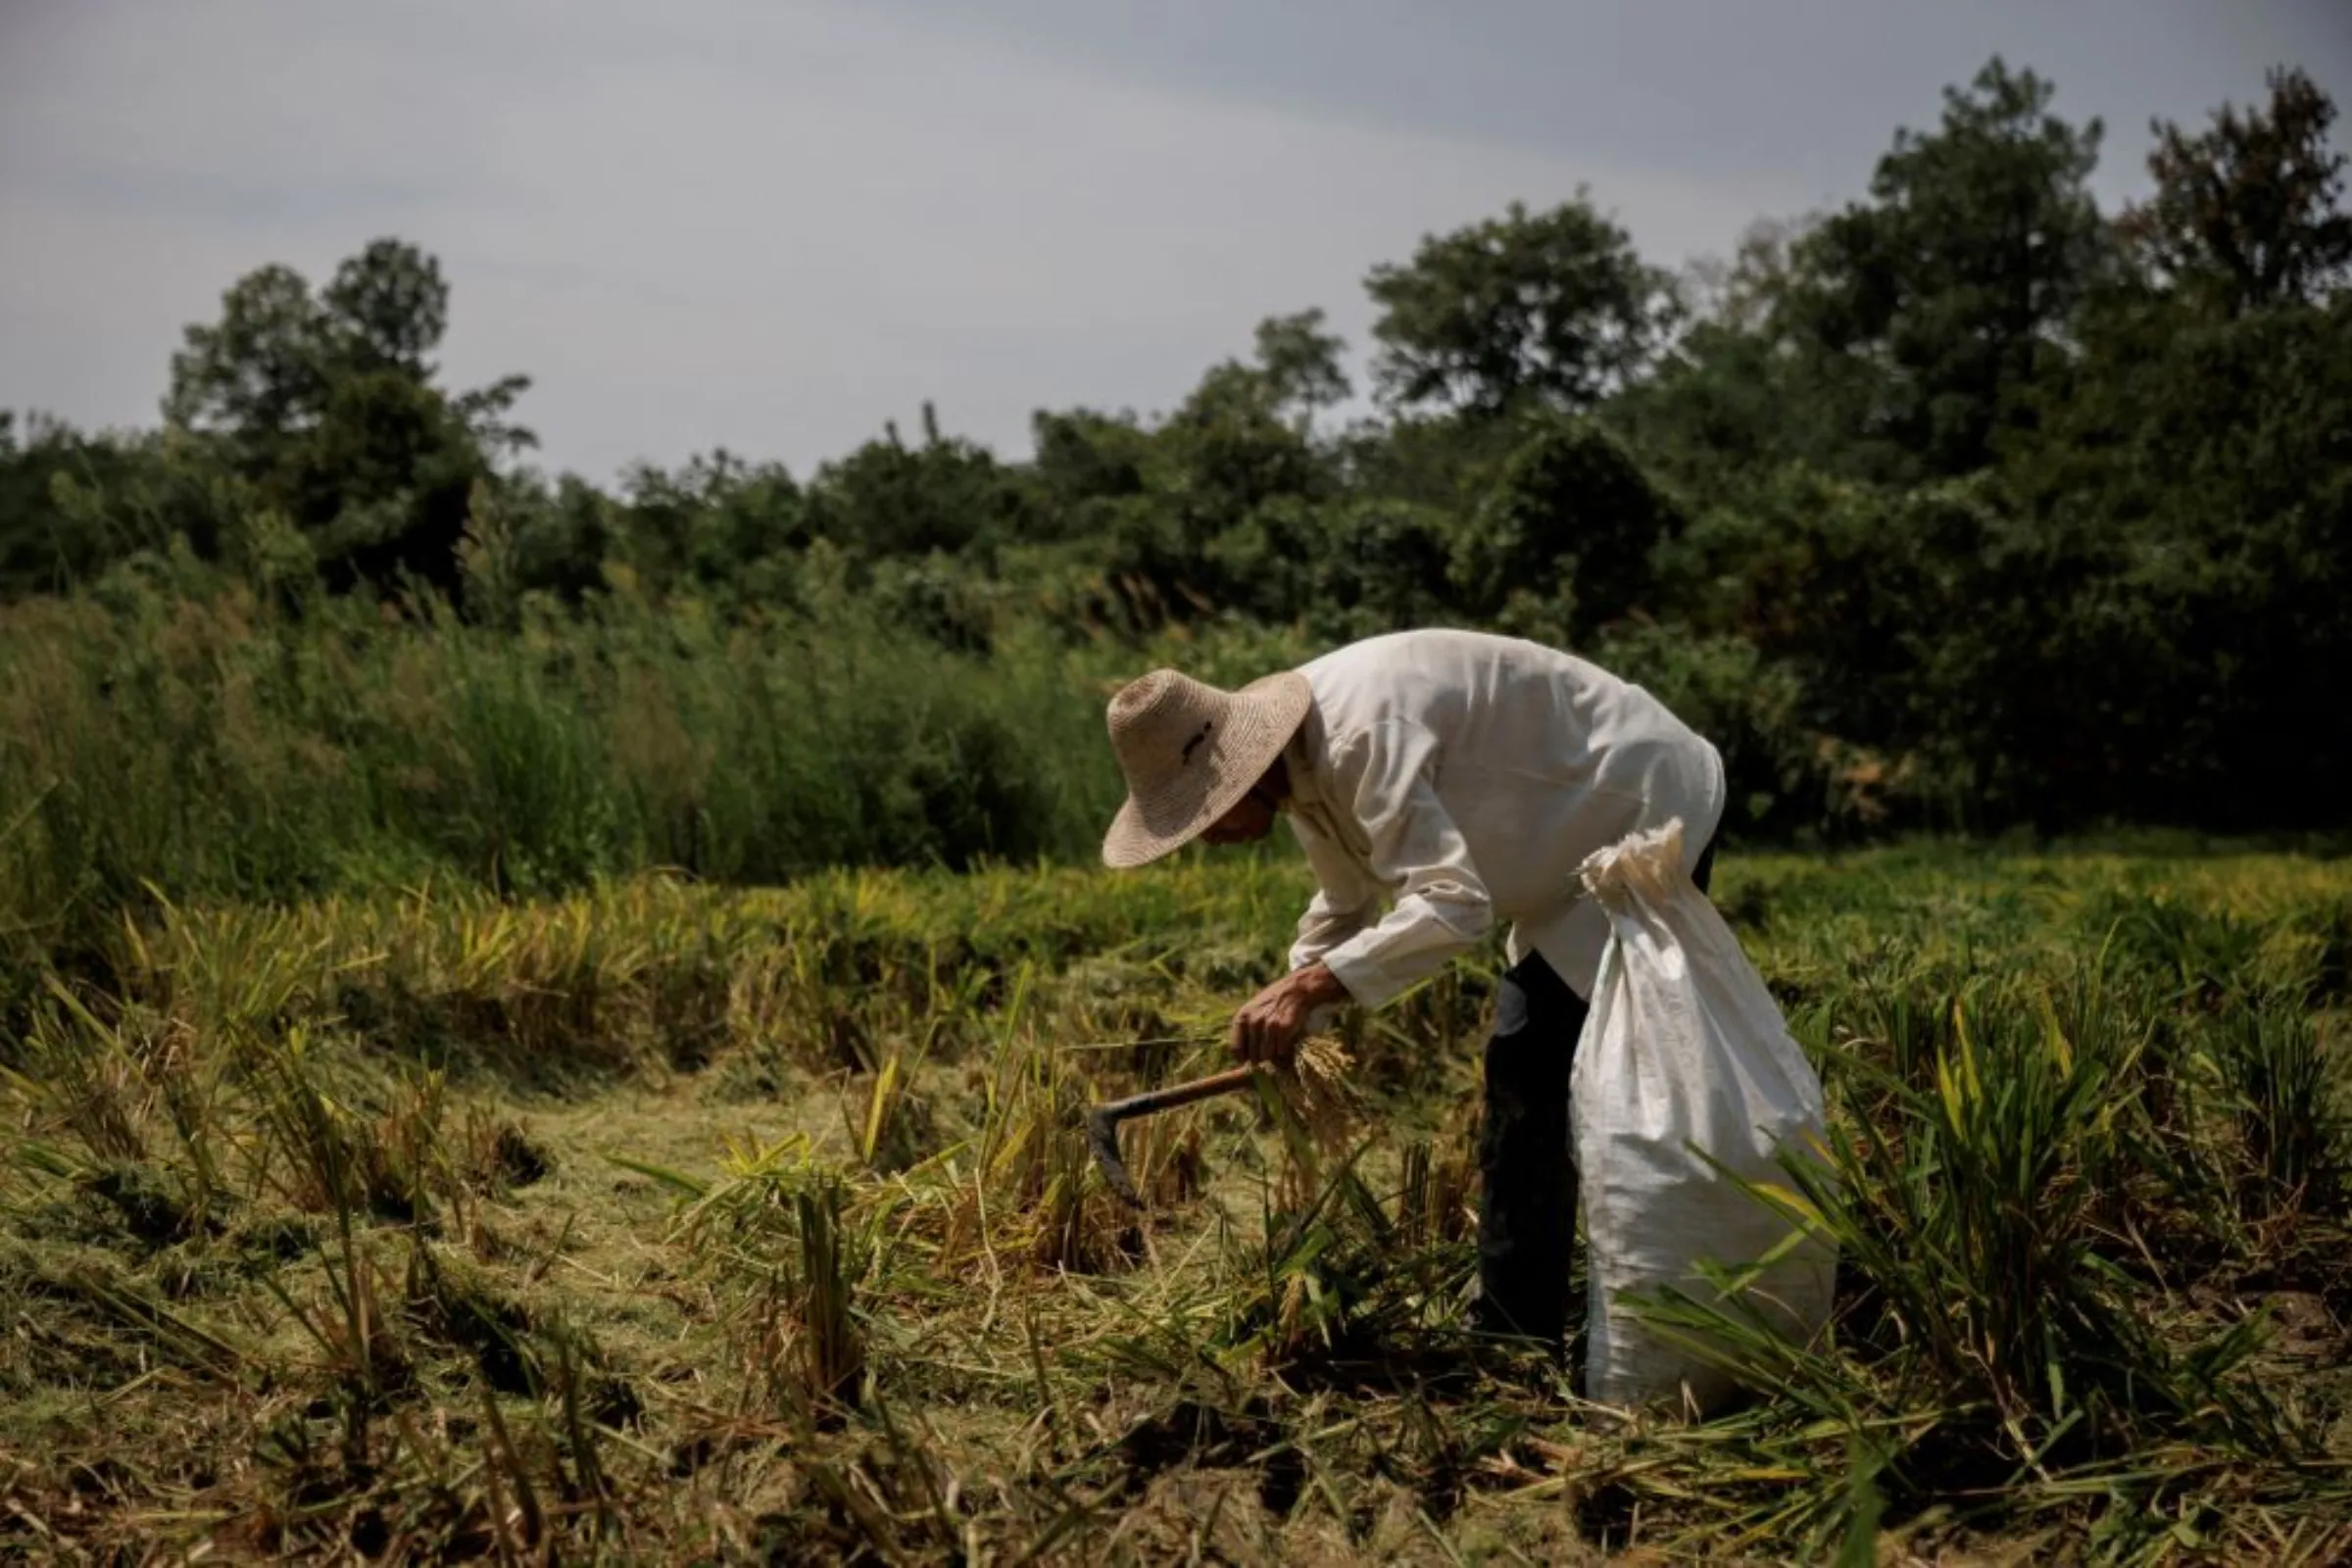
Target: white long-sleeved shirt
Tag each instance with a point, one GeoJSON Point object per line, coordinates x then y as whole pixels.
{"type": "Point", "coordinates": [1464, 777]}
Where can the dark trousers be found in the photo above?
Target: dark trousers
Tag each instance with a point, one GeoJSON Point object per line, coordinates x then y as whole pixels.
{"type": "Point", "coordinates": [1528, 1197]}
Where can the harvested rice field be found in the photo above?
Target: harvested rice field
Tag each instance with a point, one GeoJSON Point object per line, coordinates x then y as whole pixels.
{"type": "Point", "coordinates": [669, 1224]}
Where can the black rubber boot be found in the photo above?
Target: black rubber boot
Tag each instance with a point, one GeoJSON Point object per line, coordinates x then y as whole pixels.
{"type": "Point", "coordinates": [1527, 1192]}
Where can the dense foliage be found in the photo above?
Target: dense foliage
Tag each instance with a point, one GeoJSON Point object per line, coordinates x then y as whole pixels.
{"type": "Point", "coordinates": [1968, 506]}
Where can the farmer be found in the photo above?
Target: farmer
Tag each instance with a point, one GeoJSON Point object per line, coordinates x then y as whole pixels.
{"type": "Point", "coordinates": [1462, 777]}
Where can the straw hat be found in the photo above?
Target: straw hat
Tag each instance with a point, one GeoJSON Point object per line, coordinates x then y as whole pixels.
{"type": "Point", "coordinates": [1190, 751]}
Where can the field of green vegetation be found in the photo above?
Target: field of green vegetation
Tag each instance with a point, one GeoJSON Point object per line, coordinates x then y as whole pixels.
{"type": "Point", "coordinates": [667, 1222]}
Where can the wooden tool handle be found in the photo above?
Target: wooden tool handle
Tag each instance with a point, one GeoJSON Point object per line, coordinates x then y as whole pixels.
{"type": "Point", "coordinates": [1153, 1101]}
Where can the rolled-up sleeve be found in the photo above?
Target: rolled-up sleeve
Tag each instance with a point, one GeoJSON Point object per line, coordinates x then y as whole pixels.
{"type": "Point", "coordinates": [1385, 777]}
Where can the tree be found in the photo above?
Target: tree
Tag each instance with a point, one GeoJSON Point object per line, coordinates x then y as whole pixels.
{"type": "Point", "coordinates": [717, 523]}
{"type": "Point", "coordinates": [1231, 445]}
{"type": "Point", "coordinates": [260, 374]}
{"type": "Point", "coordinates": [55, 528]}
{"type": "Point", "coordinates": [265, 373]}
{"type": "Point", "coordinates": [1083, 457]}
{"type": "Point", "coordinates": [326, 405]}
{"type": "Point", "coordinates": [386, 310]}
{"type": "Point", "coordinates": [1557, 309]}
{"type": "Point", "coordinates": [890, 499]}
{"type": "Point", "coordinates": [383, 482]}
{"type": "Point", "coordinates": [2245, 214]}
{"type": "Point", "coordinates": [1300, 361]}
{"type": "Point", "coordinates": [1569, 532]}
{"type": "Point", "coordinates": [2193, 515]}
{"type": "Point", "coordinates": [1743, 391]}
{"type": "Point", "coordinates": [1953, 283]}
{"type": "Point", "coordinates": [1341, 568]}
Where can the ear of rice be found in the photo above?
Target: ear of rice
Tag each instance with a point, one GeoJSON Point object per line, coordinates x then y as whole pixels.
{"type": "Point", "coordinates": [1315, 1086]}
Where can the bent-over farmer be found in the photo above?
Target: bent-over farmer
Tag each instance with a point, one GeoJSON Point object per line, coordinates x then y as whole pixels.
{"type": "Point", "coordinates": [1460, 779]}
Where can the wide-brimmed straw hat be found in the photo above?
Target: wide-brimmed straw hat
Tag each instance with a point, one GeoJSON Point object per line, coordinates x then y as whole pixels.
{"type": "Point", "coordinates": [1190, 751]}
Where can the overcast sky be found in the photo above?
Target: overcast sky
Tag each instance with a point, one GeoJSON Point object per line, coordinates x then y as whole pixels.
{"type": "Point", "coordinates": [773, 225]}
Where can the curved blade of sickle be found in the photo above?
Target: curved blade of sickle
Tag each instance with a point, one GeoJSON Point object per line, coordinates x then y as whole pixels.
{"type": "Point", "coordinates": [1103, 1141]}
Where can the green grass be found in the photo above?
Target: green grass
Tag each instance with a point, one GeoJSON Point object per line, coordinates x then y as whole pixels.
{"type": "Point", "coordinates": [664, 1222]}
{"type": "Point", "coordinates": [215, 748]}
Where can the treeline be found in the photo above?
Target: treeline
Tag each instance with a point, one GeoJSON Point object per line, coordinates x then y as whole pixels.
{"type": "Point", "coordinates": [1967, 506]}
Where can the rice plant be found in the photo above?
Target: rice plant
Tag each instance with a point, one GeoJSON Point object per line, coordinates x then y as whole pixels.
{"type": "Point", "coordinates": [681, 1223]}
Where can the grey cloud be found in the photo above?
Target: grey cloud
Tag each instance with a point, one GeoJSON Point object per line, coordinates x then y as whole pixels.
{"type": "Point", "coordinates": [773, 228]}
{"type": "Point", "coordinates": [1806, 88]}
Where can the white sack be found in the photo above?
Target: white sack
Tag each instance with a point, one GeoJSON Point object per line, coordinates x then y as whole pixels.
{"type": "Point", "coordinates": [1684, 1053]}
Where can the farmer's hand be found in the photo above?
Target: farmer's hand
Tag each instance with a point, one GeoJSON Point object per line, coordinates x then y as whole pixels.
{"type": "Point", "coordinates": [1268, 1027]}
